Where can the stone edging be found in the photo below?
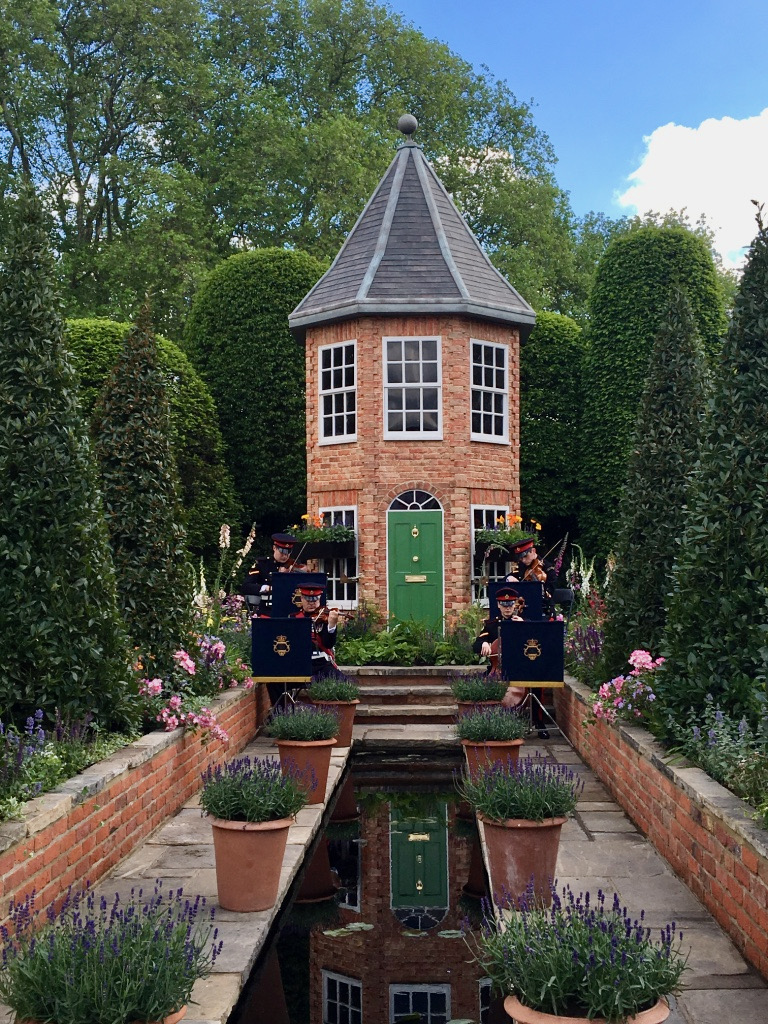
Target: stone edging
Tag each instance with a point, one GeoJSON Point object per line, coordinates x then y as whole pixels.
{"type": "Point", "coordinates": [703, 831]}
{"type": "Point", "coordinates": [80, 830]}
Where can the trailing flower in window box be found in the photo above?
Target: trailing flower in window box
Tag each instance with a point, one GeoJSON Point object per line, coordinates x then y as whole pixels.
{"type": "Point", "coordinates": [318, 537]}
{"type": "Point", "coordinates": [507, 532]}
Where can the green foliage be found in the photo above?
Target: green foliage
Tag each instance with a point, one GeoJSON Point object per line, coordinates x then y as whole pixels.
{"type": "Point", "coordinates": [303, 722]}
{"type": "Point", "coordinates": [237, 335]}
{"type": "Point", "coordinates": [62, 640]}
{"type": "Point", "coordinates": [580, 958]}
{"type": "Point", "coordinates": [478, 687]}
{"type": "Point", "coordinates": [131, 423]}
{"type": "Point", "coordinates": [409, 643]}
{"type": "Point", "coordinates": [207, 490]}
{"type": "Point", "coordinates": [627, 305]}
{"type": "Point", "coordinates": [82, 959]}
{"type": "Point", "coordinates": [494, 723]}
{"type": "Point", "coordinates": [664, 448]}
{"type": "Point", "coordinates": [529, 788]}
{"type": "Point", "coordinates": [245, 790]}
{"type": "Point", "coordinates": [551, 396]}
{"type": "Point", "coordinates": [716, 640]}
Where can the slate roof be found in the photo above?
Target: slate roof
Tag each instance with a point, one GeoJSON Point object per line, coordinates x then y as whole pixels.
{"type": "Point", "coordinates": [411, 252]}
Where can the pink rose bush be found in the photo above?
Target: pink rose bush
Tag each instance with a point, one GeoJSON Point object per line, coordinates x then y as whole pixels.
{"type": "Point", "coordinates": [182, 700]}
{"type": "Point", "coordinates": [629, 697]}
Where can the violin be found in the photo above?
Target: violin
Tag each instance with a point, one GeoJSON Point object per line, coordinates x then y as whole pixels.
{"type": "Point", "coordinates": [536, 571]}
{"type": "Point", "coordinates": [345, 615]}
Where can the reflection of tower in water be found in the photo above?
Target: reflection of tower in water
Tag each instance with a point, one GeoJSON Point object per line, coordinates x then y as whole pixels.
{"type": "Point", "coordinates": [403, 878]}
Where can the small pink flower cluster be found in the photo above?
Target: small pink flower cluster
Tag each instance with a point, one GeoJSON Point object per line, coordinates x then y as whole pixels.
{"type": "Point", "coordinates": [151, 687]}
{"type": "Point", "coordinates": [629, 696]}
{"type": "Point", "coordinates": [185, 661]}
{"type": "Point", "coordinates": [172, 717]}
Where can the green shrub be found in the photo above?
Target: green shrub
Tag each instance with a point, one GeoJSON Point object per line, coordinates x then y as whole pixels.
{"type": "Point", "coordinates": [207, 490]}
{"type": "Point", "coordinates": [237, 336]}
{"type": "Point", "coordinates": [630, 294]}
{"type": "Point", "coordinates": [716, 622]}
{"type": "Point", "coordinates": [141, 501]}
{"type": "Point", "coordinates": [652, 509]}
{"type": "Point", "coordinates": [62, 640]}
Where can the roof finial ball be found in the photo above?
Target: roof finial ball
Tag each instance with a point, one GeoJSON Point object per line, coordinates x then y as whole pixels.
{"type": "Point", "coordinates": [407, 124]}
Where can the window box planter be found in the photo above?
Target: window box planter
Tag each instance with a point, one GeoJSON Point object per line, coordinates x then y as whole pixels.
{"type": "Point", "coordinates": [326, 549]}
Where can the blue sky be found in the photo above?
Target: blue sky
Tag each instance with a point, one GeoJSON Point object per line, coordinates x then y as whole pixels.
{"type": "Point", "coordinates": [670, 92]}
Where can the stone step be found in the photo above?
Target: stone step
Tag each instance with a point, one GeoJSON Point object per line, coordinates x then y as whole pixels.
{"type": "Point", "coordinates": [381, 695]}
{"type": "Point", "coordinates": [401, 714]}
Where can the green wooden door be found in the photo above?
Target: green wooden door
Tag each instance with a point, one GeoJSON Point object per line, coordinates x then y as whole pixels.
{"type": "Point", "coordinates": [419, 860]}
{"type": "Point", "coordinates": [415, 561]}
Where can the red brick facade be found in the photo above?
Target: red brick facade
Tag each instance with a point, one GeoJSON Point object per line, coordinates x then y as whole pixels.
{"type": "Point", "coordinates": [370, 472]}
{"type": "Point", "coordinates": [81, 831]}
{"type": "Point", "coordinates": [701, 829]}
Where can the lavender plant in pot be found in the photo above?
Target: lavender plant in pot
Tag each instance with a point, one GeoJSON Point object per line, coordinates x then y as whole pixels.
{"type": "Point", "coordinates": [252, 805]}
{"type": "Point", "coordinates": [93, 959]}
{"type": "Point", "coordinates": [522, 806]}
{"type": "Point", "coordinates": [483, 689]}
{"type": "Point", "coordinates": [593, 961]}
{"type": "Point", "coordinates": [306, 736]}
{"type": "Point", "coordinates": [339, 693]}
{"type": "Point", "coordinates": [490, 734]}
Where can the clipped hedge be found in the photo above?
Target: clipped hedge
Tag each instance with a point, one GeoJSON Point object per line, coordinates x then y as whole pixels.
{"type": "Point", "coordinates": [237, 336]}
{"type": "Point", "coordinates": [207, 491]}
{"type": "Point", "coordinates": [550, 399]}
{"type": "Point", "coordinates": [631, 288]}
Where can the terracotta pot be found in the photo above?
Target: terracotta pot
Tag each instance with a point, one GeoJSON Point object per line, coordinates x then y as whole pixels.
{"type": "Point", "coordinates": [489, 752]}
{"type": "Point", "coordinates": [172, 1018]}
{"type": "Point", "coordinates": [524, 1015]}
{"type": "Point", "coordinates": [345, 709]}
{"type": "Point", "coordinates": [465, 706]}
{"type": "Point", "coordinates": [521, 850]}
{"type": "Point", "coordinates": [249, 858]}
{"type": "Point", "coordinates": [312, 757]}
{"type": "Point", "coordinates": [318, 883]}
{"type": "Point", "coordinates": [345, 808]}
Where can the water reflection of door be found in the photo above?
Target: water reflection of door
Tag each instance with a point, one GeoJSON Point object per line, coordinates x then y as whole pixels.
{"type": "Point", "coordinates": [419, 860]}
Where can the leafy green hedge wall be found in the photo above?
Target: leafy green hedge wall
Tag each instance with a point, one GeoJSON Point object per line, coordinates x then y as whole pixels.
{"type": "Point", "coordinates": [237, 336]}
{"type": "Point", "coordinates": [62, 641]}
{"type": "Point", "coordinates": [207, 490]}
{"type": "Point", "coordinates": [717, 625]}
{"type": "Point", "coordinates": [663, 452]}
{"type": "Point", "coordinates": [631, 289]}
{"type": "Point", "coordinates": [550, 400]}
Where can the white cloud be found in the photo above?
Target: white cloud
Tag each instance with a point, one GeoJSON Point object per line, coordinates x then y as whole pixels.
{"type": "Point", "coordinates": [715, 170]}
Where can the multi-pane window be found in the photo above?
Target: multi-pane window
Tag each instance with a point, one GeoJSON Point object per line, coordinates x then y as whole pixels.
{"type": "Point", "coordinates": [412, 385]}
{"type": "Point", "coordinates": [341, 589]}
{"type": "Point", "coordinates": [493, 565]}
{"type": "Point", "coordinates": [342, 999]}
{"type": "Point", "coordinates": [490, 392]}
{"type": "Point", "coordinates": [433, 1002]}
{"type": "Point", "coordinates": [338, 392]}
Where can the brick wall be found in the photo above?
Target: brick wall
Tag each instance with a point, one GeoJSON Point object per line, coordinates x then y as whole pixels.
{"type": "Point", "coordinates": [81, 830]}
{"type": "Point", "coordinates": [371, 472]}
{"type": "Point", "coordinates": [702, 830]}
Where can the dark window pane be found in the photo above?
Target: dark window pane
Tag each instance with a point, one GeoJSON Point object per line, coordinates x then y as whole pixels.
{"type": "Point", "coordinates": [395, 399]}
{"type": "Point", "coordinates": [412, 421]}
{"type": "Point", "coordinates": [430, 398]}
{"type": "Point", "coordinates": [355, 992]}
{"type": "Point", "coordinates": [325, 357]}
{"type": "Point", "coordinates": [477, 352]}
{"type": "Point", "coordinates": [430, 421]}
{"type": "Point", "coordinates": [487, 421]}
{"type": "Point", "coordinates": [394, 350]}
{"type": "Point", "coordinates": [488, 377]}
{"type": "Point", "coordinates": [395, 421]}
{"type": "Point", "coordinates": [338, 378]}
{"type": "Point", "coordinates": [412, 398]}
{"type": "Point", "coordinates": [498, 403]}
{"type": "Point", "coordinates": [325, 380]}
{"type": "Point", "coordinates": [420, 1002]}
{"type": "Point", "coordinates": [401, 1003]}
{"type": "Point", "coordinates": [349, 377]}
{"type": "Point", "coordinates": [351, 424]}
{"type": "Point", "coordinates": [429, 373]}
{"type": "Point", "coordinates": [411, 351]}
{"type": "Point", "coordinates": [477, 375]}
{"type": "Point", "coordinates": [350, 404]}
{"type": "Point", "coordinates": [476, 430]}
{"type": "Point", "coordinates": [394, 373]}
{"type": "Point", "coordinates": [338, 425]}
{"type": "Point", "coordinates": [429, 351]}
{"type": "Point", "coordinates": [412, 373]}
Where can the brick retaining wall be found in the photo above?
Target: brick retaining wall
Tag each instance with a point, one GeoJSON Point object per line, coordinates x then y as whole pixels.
{"type": "Point", "coordinates": [699, 827]}
{"type": "Point", "coordinates": [84, 827]}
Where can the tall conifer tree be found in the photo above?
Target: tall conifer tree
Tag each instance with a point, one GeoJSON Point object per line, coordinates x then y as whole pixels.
{"type": "Point", "coordinates": [716, 640]}
{"type": "Point", "coordinates": [62, 640]}
{"type": "Point", "coordinates": [141, 500]}
{"type": "Point", "coordinates": [663, 452]}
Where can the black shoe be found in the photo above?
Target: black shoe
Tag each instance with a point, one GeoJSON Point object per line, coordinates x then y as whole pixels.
{"type": "Point", "coordinates": [543, 734]}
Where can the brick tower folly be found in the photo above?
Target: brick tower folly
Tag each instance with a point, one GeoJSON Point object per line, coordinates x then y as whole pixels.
{"type": "Point", "coordinates": [412, 367]}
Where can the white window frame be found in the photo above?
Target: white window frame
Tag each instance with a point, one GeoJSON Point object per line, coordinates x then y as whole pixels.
{"type": "Point", "coordinates": [344, 980]}
{"type": "Point", "coordinates": [413, 435]}
{"type": "Point", "coordinates": [490, 514]}
{"type": "Point", "coordinates": [322, 393]}
{"type": "Point", "coordinates": [483, 390]}
{"type": "Point", "coordinates": [407, 987]}
{"type": "Point", "coordinates": [337, 567]}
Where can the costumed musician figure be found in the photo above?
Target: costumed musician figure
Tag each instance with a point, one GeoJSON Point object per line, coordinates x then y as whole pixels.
{"type": "Point", "coordinates": [324, 623]}
{"type": "Point", "coordinates": [256, 584]}
{"type": "Point", "coordinates": [531, 567]}
{"type": "Point", "coordinates": [487, 643]}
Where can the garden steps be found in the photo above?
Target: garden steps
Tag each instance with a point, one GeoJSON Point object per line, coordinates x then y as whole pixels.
{"type": "Point", "coordinates": [397, 695]}
{"type": "Point", "coordinates": [403, 714]}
